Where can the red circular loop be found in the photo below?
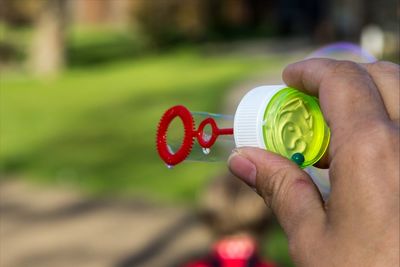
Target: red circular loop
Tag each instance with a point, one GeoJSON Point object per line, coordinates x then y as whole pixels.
{"type": "Point", "coordinates": [214, 133]}
{"type": "Point", "coordinates": [188, 125]}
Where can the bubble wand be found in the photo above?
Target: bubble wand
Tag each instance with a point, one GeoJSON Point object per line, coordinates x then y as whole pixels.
{"type": "Point", "coordinates": [190, 134]}
{"type": "Point", "coordinates": [277, 118]}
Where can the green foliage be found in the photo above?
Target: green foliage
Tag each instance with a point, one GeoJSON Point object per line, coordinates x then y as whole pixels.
{"type": "Point", "coordinates": [95, 129]}
{"type": "Point", "coordinates": [170, 22]}
{"type": "Point", "coordinates": [94, 46]}
{"type": "Point", "coordinates": [275, 246]}
{"type": "Point", "coordinates": [14, 43]}
{"type": "Point", "coordinates": [85, 46]}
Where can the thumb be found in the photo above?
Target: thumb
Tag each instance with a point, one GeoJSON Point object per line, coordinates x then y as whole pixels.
{"type": "Point", "coordinates": [286, 189]}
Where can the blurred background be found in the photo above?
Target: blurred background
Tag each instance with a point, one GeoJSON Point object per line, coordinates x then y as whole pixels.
{"type": "Point", "coordinates": [83, 84]}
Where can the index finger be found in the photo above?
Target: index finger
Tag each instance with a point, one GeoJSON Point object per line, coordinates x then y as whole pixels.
{"type": "Point", "coordinates": [386, 76]}
{"type": "Point", "coordinates": [348, 96]}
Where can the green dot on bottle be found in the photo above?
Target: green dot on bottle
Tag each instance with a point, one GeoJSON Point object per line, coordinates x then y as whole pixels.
{"type": "Point", "coordinates": [298, 158]}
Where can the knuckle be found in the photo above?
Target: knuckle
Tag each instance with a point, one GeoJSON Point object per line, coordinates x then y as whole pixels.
{"type": "Point", "coordinates": [346, 80]}
{"type": "Point", "coordinates": [269, 184]}
{"type": "Point", "coordinates": [386, 67]}
{"type": "Point", "coordinates": [346, 67]}
{"type": "Point", "coordinates": [280, 186]}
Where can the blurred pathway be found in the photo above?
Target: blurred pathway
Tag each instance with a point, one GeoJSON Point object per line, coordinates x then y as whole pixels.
{"type": "Point", "coordinates": [48, 227]}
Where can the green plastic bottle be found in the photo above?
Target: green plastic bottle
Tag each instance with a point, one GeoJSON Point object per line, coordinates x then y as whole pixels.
{"type": "Point", "coordinates": [282, 120]}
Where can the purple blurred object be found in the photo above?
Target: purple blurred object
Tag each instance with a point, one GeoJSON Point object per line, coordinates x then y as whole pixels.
{"type": "Point", "coordinates": [344, 50]}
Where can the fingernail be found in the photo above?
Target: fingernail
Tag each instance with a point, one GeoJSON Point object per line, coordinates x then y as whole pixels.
{"type": "Point", "coordinates": [243, 168]}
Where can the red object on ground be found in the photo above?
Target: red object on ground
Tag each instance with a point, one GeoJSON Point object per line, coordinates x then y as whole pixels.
{"type": "Point", "coordinates": [236, 251]}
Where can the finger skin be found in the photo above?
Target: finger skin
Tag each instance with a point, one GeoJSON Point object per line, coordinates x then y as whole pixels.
{"type": "Point", "coordinates": [287, 189]}
{"type": "Point", "coordinates": [386, 76]}
{"type": "Point", "coordinates": [347, 93]}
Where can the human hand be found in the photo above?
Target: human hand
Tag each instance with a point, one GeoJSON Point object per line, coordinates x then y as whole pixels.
{"type": "Point", "coordinates": [359, 224]}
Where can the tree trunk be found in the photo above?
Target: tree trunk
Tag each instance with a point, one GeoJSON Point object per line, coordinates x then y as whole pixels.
{"type": "Point", "coordinates": [48, 47]}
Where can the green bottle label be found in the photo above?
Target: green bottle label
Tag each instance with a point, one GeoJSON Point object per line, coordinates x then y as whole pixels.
{"type": "Point", "coordinates": [293, 123]}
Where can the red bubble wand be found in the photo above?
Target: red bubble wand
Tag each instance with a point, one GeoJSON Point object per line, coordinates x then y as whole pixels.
{"type": "Point", "coordinates": [190, 134]}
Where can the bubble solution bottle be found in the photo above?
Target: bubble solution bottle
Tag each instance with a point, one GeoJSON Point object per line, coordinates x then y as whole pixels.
{"type": "Point", "coordinates": [282, 120]}
{"type": "Point", "coordinates": [277, 118]}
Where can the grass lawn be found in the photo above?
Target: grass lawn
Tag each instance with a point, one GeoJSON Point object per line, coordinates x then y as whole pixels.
{"type": "Point", "coordinates": [94, 128]}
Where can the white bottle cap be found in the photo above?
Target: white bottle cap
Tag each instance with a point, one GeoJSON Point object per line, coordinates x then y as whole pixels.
{"type": "Point", "coordinates": [249, 116]}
